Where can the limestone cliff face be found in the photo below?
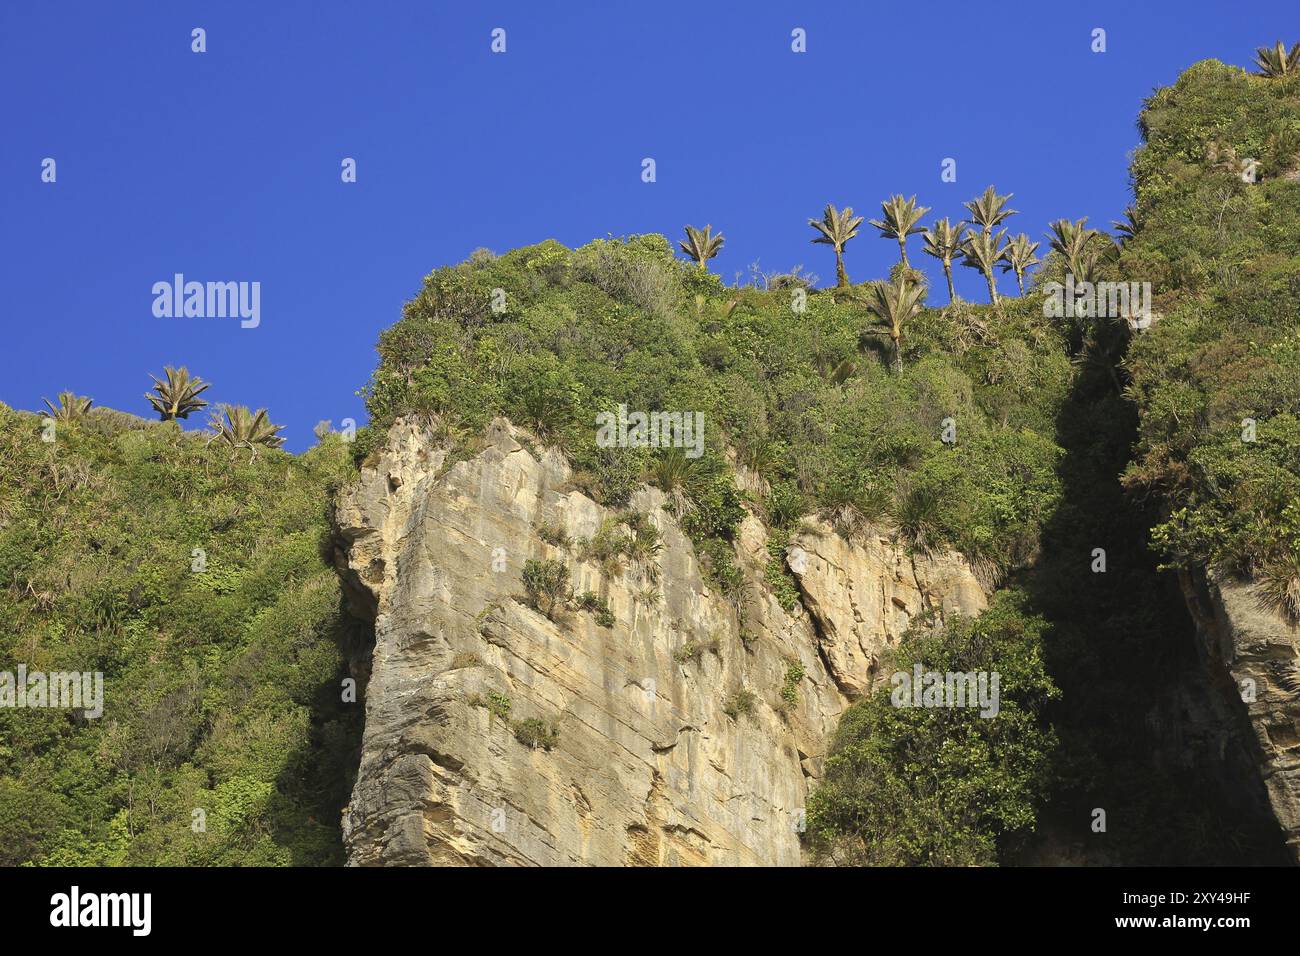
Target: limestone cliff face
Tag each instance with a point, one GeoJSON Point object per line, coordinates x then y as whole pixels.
{"type": "Point", "coordinates": [1257, 653]}
{"type": "Point", "coordinates": [648, 768]}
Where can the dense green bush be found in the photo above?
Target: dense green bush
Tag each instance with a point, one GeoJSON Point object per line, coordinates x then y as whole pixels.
{"type": "Point", "coordinates": [624, 322]}
{"type": "Point", "coordinates": [1217, 380]}
{"type": "Point", "coordinates": [939, 786]}
{"type": "Point", "coordinates": [547, 585]}
{"type": "Point", "coordinates": [223, 701]}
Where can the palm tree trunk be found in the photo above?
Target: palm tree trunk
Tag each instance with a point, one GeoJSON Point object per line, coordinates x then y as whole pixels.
{"type": "Point", "coordinates": [1020, 281]}
{"type": "Point", "coordinates": [947, 273]}
{"type": "Point", "coordinates": [902, 252]}
{"type": "Point", "coordinates": [897, 336]}
{"type": "Point", "coordinates": [841, 277]}
{"type": "Point", "coordinates": [993, 287]}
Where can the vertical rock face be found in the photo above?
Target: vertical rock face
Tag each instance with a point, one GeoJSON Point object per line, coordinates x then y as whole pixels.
{"type": "Point", "coordinates": [653, 763]}
{"type": "Point", "coordinates": [1259, 652]}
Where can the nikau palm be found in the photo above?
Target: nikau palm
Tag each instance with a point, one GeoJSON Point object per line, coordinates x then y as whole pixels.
{"type": "Point", "coordinates": [894, 304]}
{"type": "Point", "coordinates": [178, 395]}
{"type": "Point", "coordinates": [900, 221]}
{"type": "Point", "coordinates": [1277, 60]}
{"type": "Point", "coordinates": [244, 429]}
{"type": "Point", "coordinates": [983, 251]}
{"type": "Point", "coordinates": [989, 209]}
{"type": "Point", "coordinates": [1018, 257]}
{"type": "Point", "coordinates": [701, 245]}
{"type": "Point", "coordinates": [71, 407]}
{"type": "Point", "coordinates": [1071, 240]}
{"type": "Point", "coordinates": [1127, 227]}
{"type": "Point", "coordinates": [837, 227]}
{"type": "Point", "coordinates": [943, 240]}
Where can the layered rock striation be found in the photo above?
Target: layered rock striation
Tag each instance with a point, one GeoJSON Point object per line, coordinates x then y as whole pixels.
{"type": "Point", "coordinates": [496, 735]}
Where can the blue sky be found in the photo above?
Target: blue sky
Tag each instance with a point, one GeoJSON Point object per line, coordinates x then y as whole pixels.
{"type": "Point", "coordinates": [225, 165]}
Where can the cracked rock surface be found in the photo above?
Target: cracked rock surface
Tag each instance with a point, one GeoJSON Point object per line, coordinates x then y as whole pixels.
{"type": "Point", "coordinates": [647, 768]}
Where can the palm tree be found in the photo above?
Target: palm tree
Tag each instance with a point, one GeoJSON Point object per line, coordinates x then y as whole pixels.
{"type": "Point", "coordinates": [1074, 242]}
{"type": "Point", "coordinates": [1018, 257]}
{"type": "Point", "coordinates": [900, 221]}
{"type": "Point", "coordinates": [244, 429]}
{"type": "Point", "coordinates": [989, 209]}
{"type": "Point", "coordinates": [983, 251]}
{"type": "Point", "coordinates": [1127, 227]}
{"type": "Point", "coordinates": [177, 396]}
{"type": "Point", "coordinates": [673, 472]}
{"type": "Point", "coordinates": [71, 407]}
{"type": "Point", "coordinates": [943, 240]}
{"type": "Point", "coordinates": [1278, 61]}
{"type": "Point", "coordinates": [894, 304]}
{"type": "Point", "coordinates": [701, 245]}
{"type": "Point", "coordinates": [837, 228]}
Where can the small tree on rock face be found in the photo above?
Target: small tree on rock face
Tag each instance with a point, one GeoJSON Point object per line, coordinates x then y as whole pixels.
{"type": "Point", "coordinates": [837, 227]}
{"type": "Point", "coordinates": [701, 245]}
{"type": "Point", "coordinates": [177, 395]}
{"type": "Point", "coordinates": [547, 585]}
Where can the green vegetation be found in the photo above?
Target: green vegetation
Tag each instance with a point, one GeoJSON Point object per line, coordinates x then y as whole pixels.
{"type": "Point", "coordinates": [201, 588]}
{"type": "Point", "coordinates": [532, 732]}
{"type": "Point", "coordinates": [794, 673]}
{"type": "Point", "coordinates": [694, 650]}
{"type": "Point", "coordinates": [71, 407]}
{"type": "Point", "coordinates": [1217, 382]}
{"type": "Point", "coordinates": [1278, 61]}
{"type": "Point", "coordinates": [536, 733]}
{"type": "Point", "coordinates": [900, 218]}
{"type": "Point", "coordinates": [593, 602]}
{"type": "Point", "coordinates": [237, 427]}
{"type": "Point", "coordinates": [624, 322]}
{"type": "Point", "coordinates": [198, 579]}
{"type": "Point", "coordinates": [702, 245]}
{"type": "Point", "coordinates": [944, 241]}
{"type": "Point", "coordinates": [740, 704]}
{"type": "Point", "coordinates": [547, 586]}
{"type": "Point", "coordinates": [554, 534]}
{"type": "Point", "coordinates": [178, 393]}
{"type": "Point", "coordinates": [909, 786]}
{"type": "Point", "coordinates": [837, 227]}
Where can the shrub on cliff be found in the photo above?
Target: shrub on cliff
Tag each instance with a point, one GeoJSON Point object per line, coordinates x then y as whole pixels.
{"type": "Point", "coordinates": [939, 785]}
{"type": "Point", "coordinates": [547, 585]}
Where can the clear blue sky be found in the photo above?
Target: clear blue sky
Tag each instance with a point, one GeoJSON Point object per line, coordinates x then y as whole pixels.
{"type": "Point", "coordinates": [226, 165]}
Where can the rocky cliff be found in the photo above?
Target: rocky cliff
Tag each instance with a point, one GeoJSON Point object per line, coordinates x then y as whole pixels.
{"type": "Point", "coordinates": [656, 759]}
{"type": "Point", "coordinates": [1256, 655]}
